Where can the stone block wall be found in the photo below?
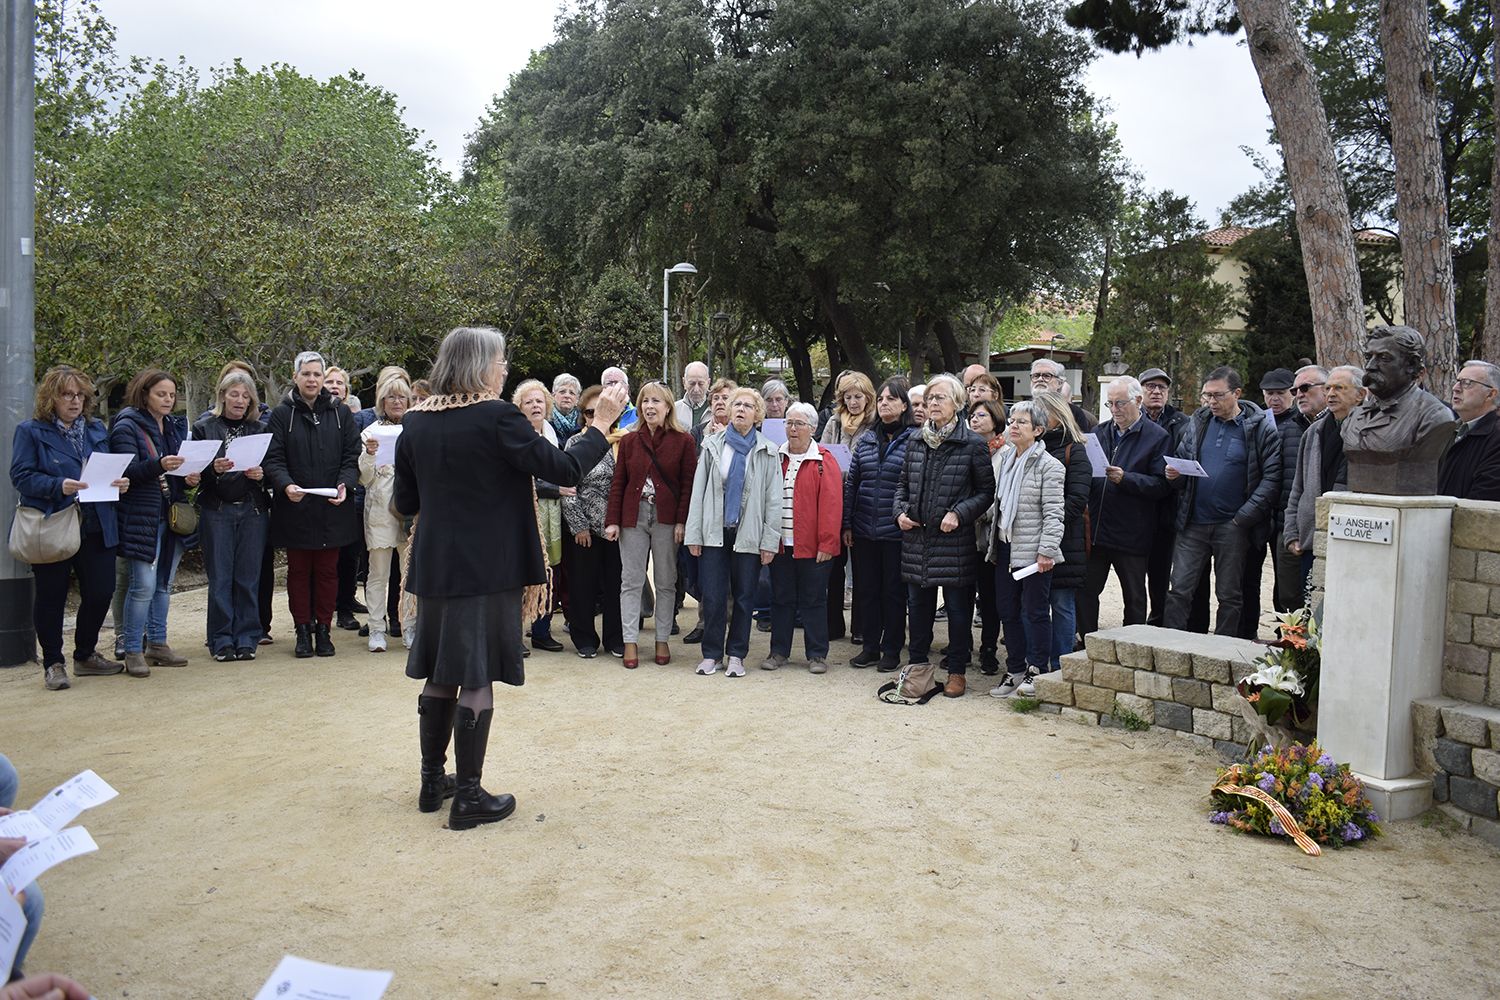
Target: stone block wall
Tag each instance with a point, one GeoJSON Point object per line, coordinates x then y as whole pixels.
{"type": "Point", "coordinates": [1175, 682]}
{"type": "Point", "coordinates": [1458, 744]}
{"type": "Point", "coordinates": [1471, 653]}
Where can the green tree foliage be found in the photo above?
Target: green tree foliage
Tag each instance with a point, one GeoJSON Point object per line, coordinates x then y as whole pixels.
{"type": "Point", "coordinates": [1163, 302]}
{"type": "Point", "coordinates": [883, 161]}
{"type": "Point", "coordinates": [617, 323]}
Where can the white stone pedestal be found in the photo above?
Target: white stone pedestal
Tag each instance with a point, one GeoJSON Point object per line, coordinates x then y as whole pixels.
{"type": "Point", "coordinates": [1384, 618]}
{"type": "Point", "coordinates": [1105, 416]}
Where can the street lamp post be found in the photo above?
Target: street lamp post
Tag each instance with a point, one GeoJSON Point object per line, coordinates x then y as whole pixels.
{"type": "Point", "coordinates": [666, 307]}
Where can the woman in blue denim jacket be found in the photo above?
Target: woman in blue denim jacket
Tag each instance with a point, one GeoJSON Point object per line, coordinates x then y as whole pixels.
{"type": "Point", "coordinates": [47, 460]}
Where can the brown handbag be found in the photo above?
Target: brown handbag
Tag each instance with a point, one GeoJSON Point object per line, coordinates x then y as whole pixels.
{"type": "Point", "coordinates": [38, 539]}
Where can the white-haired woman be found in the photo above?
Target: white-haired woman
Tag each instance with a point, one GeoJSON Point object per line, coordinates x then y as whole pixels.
{"type": "Point", "coordinates": [565, 417]}
{"type": "Point", "coordinates": [385, 532]}
{"type": "Point", "coordinates": [777, 398]}
{"type": "Point", "coordinates": [1027, 529]}
{"type": "Point", "coordinates": [477, 562]}
{"type": "Point", "coordinates": [234, 521]}
{"type": "Point", "coordinates": [734, 526]}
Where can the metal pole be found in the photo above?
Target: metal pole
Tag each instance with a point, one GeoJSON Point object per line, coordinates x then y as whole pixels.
{"type": "Point", "coordinates": [17, 297]}
{"type": "Point", "coordinates": [666, 278]}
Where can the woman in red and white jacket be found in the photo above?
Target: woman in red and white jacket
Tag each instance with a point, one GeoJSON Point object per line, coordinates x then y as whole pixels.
{"type": "Point", "coordinates": [812, 516]}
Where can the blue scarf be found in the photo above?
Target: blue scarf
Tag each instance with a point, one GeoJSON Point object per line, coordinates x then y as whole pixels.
{"type": "Point", "coordinates": [566, 424]}
{"type": "Point", "coordinates": [734, 485]}
{"type": "Point", "coordinates": [73, 434]}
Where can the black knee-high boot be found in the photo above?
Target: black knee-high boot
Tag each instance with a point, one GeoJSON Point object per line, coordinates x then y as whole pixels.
{"type": "Point", "coordinates": [472, 805]}
{"type": "Point", "coordinates": [435, 727]}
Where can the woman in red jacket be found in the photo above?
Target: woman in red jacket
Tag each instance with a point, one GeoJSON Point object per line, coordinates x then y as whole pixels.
{"type": "Point", "coordinates": [648, 505]}
{"type": "Point", "coordinates": [812, 512]}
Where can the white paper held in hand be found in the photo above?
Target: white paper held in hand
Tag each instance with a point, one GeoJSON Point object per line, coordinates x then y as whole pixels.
{"type": "Point", "coordinates": [774, 428]}
{"type": "Point", "coordinates": [12, 926]}
{"type": "Point", "coordinates": [385, 436]}
{"type": "Point", "coordinates": [1026, 571]}
{"type": "Point", "coordinates": [300, 979]}
{"type": "Point", "coordinates": [1098, 461]}
{"type": "Point", "coordinates": [195, 456]}
{"type": "Point", "coordinates": [247, 452]}
{"type": "Point", "coordinates": [320, 491]}
{"type": "Point", "coordinates": [32, 860]}
{"type": "Point", "coordinates": [99, 471]}
{"type": "Point", "coordinates": [1186, 466]}
{"type": "Point", "coordinates": [62, 805]}
{"type": "Point", "coordinates": [24, 825]}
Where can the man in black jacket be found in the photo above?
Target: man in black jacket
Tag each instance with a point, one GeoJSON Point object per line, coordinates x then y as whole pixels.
{"type": "Point", "coordinates": [1276, 388]}
{"type": "Point", "coordinates": [1156, 386]}
{"type": "Point", "coordinates": [1220, 515]}
{"type": "Point", "coordinates": [1471, 468]}
{"type": "Point", "coordinates": [1124, 504]}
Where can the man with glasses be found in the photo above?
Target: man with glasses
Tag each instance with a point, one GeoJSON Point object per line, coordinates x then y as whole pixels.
{"type": "Point", "coordinates": [1321, 467]}
{"type": "Point", "coordinates": [1471, 468]}
{"type": "Point", "coordinates": [1277, 389]}
{"type": "Point", "coordinates": [1156, 386]}
{"type": "Point", "coordinates": [1049, 376]}
{"type": "Point", "coordinates": [1221, 515]}
{"type": "Point", "coordinates": [616, 376]}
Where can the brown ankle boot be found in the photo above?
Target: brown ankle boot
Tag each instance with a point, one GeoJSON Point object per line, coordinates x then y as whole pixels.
{"type": "Point", "coordinates": [135, 665]}
{"type": "Point", "coordinates": [159, 654]}
{"type": "Point", "coordinates": [955, 686]}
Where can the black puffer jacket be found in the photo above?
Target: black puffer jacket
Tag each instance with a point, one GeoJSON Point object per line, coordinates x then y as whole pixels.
{"type": "Point", "coordinates": [313, 446]}
{"type": "Point", "coordinates": [957, 477]}
{"type": "Point", "coordinates": [1262, 470]}
{"type": "Point", "coordinates": [1290, 426]}
{"type": "Point", "coordinates": [1175, 423]}
{"type": "Point", "coordinates": [141, 509]}
{"type": "Point", "coordinates": [1075, 462]}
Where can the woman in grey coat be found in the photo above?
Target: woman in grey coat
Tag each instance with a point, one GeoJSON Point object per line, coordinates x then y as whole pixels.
{"type": "Point", "coordinates": [1026, 532]}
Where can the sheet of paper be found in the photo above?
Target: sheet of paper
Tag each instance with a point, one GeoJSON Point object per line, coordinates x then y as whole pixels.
{"type": "Point", "coordinates": [32, 860]}
{"type": "Point", "coordinates": [385, 436]}
{"type": "Point", "coordinates": [196, 455]}
{"type": "Point", "coordinates": [12, 926]}
{"type": "Point", "coordinates": [1097, 459]}
{"type": "Point", "coordinates": [247, 452]}
{"type": "Point", "coordinates": [774, 428]}
{"type": "Point", "coordinates": [1186, 466]}
{"type": "Point", "coordinates": [300, 979]}
{"type": "Point", "coordinates": [1026, 571]}
{"type": "Point", "coordinates": [841, 455]}
{"type": "Point", "coordinates": [62, 805]}
{"type": "Point", "coordinates": [25, 825]}
{"type": "Point", "coordinates": [321, 491]}
{"type": "Point", "coordinates": [99, 471]}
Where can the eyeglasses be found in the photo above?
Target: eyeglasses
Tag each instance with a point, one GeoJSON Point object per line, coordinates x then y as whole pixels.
{"type": "Point", "coordinates": [1468, 383]}
{"type": "Point", "coordinates": [589, 412]}
{"type": "Point", "coordinates": [797, 423]}
{"type": "Point", "coordinates": [1214, 397]}
{"type": "Point", "coordinates": [1306, 387]}
{"type": "Point", "coordinates": [1118, 404]}
{"type": "Point", "coordinates": [1043, 377]}
{"type": "Point", "coordinates": [79, 395]}
{"type": "Point", "coordinates": [1154, 387]}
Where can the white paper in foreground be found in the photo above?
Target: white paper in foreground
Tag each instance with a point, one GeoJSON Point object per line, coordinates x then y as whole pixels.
{"type": "Point", "coordinates": [1026, 571]}
{"type": "Point", "coordinates": [25, 826]}
{"type": "Point", "coordinates": [1098, 461]}
{"type": "Point", "coordinates": [247, 452]}
{"type": "Point", "coordinates": [385, 436]}
{"type": "Point", "coordinates": [30, 861]}
{"type": "Point", "coordinates": [195, 456]}
{"type": "Point", "coordinates": [62, 805]}
{"type": "Point", "coordinates": [1186, 466]}
{"type": "Point", "coordinates": [99, 471]}
{"type": "Point", "coordinates": [299, 979]}
{"type": "Point", "coordinates": [331, 492]}
{"type": "Point", "coordinates": [12, 925]}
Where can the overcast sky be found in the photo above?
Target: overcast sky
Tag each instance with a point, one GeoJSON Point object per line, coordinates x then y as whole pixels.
{"type": "Point", "coordinates": [1183, 113]}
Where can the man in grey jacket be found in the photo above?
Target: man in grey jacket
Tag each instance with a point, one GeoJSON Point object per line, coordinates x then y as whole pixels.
{"type": "Point", "coordinates": [1223, 513]}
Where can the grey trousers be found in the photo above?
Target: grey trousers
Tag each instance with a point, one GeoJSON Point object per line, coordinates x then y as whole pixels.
{"type": "Point", "coordinates": [656, 540]}
{"type": "Point", "coordinates": [1225, 544]}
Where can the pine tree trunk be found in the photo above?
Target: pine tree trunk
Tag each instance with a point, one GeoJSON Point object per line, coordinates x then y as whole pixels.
{"type": "Point", "coordinates": [1421, 202]}
{"type": "Point", "coordinates": [841, 319]}
{"type": "Point", "coordinates": [1291, 91]}
{"type": "Point", "coordinates": [1489, 346]}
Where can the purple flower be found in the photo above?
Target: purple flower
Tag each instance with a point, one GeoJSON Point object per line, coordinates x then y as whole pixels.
{"type": "Point", "coordinates": [1327, 761]}
{"type": "Point", "coordinates": [1267, 782]}
{"type": "Point", "coordinates": [1218, 817]}
{"type": "Point", "coordinates": [1370, 817]}
{"type": "Point", "coordinates": [1277, 829]}
{"type": "Point", "coordinates": [1351, 833]}
{"type": "Point", "coordinates": [1315, 780]}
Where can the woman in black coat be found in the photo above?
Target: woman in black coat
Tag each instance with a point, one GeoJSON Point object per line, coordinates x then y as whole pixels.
{"type": "Point", "coordinates": [145, 429]}
{"type": "Point", "coordinates": [948, 485]}
{"type": "Point", "coordinates": [314, 445]}
{"type": "Point", "coordinates": [465, 463]}
{"type": "Point", "coordinates": [1064, 442]}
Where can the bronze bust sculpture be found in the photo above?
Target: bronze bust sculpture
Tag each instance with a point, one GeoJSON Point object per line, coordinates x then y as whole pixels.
{"type": "Point", "coordinates": [1395, 439]}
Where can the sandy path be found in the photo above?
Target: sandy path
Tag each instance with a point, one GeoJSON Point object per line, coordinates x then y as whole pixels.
{"type": "Point", "coordinates": [783, 835]}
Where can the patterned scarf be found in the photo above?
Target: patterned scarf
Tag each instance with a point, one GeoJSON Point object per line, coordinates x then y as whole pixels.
{"type": "Point", "coordinates": [73, 434]}
{"type": "Point", "coordinates": [734, 484]}
{"type": "Point", "coordinates": [935, 435]}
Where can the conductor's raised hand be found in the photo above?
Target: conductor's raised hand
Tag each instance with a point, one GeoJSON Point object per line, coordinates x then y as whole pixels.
{"type": "Point", "coordinates": [608, 407]}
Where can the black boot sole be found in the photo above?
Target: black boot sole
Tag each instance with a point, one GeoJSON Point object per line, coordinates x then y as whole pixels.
{"type": "Point", "coordinates": [430, 804]}
{"type": "Point", "coordinates": [472, 820]}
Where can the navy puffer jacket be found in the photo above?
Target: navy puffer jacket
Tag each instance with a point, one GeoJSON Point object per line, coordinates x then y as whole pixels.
{"type": "Point", "coordinates": [1262, 470]}
{"type": "Point", "coordinates": [870, 487]}
{"type": "Point", "coordinates": [142, 509]}
{"type": "Point", "coordinates": [956, 476]}
{"type": "Point", "coordinates": [1072, 571]}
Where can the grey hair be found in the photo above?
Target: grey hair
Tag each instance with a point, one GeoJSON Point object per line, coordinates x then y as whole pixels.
{"type": "Point", "coordinates": [774, 385]}
{"type": "Point", "coordinates": [229, 381]}
{"type": "Point", "coordinates": [604, 376]}
{"type": "Point", "coordinates": [920, 389]}
{"type": "Point", "coordinates": [1057, 368]}
{"type": "Point", "coordinates": [464, 359]}
{"type": "Point", "coordinates": [1054, 407]}
{"type": "Point", "coordinates": [1312, 368]}
{"type": "Point", "coordinates": [1033, 411]}
{"type": "Point", "coordinates": [1355, 372]}
{"type": "Point", "coordinates": [1132, 386]}
{"type": "Point", "coordinates": [1490, 371]}
{"type": "Point", "coordinates": [305, 357]}
{"type": "Point", "coordinates": [690, 364]}
{"type": "Point", "coordinates": [566, 379]}
{"type": "Point", "coordinates": [805, 411]}
{"type": "Point", "coordinates": [952, 384]}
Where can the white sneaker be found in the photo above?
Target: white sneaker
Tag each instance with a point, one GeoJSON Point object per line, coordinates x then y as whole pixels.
{"type": "Point", "coordinates": [377, 640]}
{"type": "Point", "coordinates": [735, 667]}
{"type": "Point", "coordinates": [1027, 687]}
{"type": "Point", "coordinates": [1008, 687]}
{"type": "Point", "coordinates": [706, 667]}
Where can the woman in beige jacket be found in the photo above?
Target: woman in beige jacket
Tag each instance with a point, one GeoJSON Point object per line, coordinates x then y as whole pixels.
{"type": "Point", "coordinates": [385, 532]}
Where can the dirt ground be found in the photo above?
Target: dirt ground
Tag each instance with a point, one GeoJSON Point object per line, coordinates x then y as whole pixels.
{"type": "Point", "coordinates": [781, 835]}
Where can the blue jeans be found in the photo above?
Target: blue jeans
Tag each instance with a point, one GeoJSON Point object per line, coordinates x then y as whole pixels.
{"type": "Point", "coordinates": [921, 611]}
{"type": "Point", "coordinates": [763, 598]}
{"type": "Point", "coordinates": [1064, 623]}
{"type": "Point", "coordinates": [234, 540]}
{"type": "Point", "coordinates": [799, 584]}
{"type": "Point", "coordinates": [10, 784]}
{"type": "Point", "coordinates": [1025, 611]}
{"type": "Point", "coordinates": [149, 594]}
{"type": "Point", "coordinates": [724, 574]}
